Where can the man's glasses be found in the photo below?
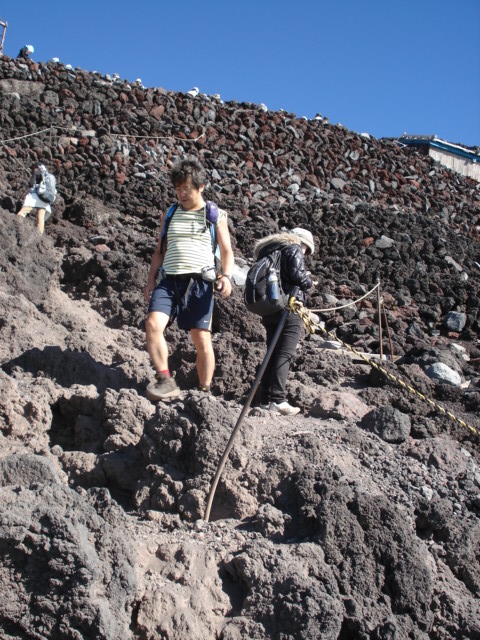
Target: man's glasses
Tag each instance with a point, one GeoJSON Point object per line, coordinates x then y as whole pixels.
{"type": "Point", "coordinates": [184, 189]}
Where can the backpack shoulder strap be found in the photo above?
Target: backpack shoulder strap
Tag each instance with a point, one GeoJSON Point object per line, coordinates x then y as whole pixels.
{"type": "Point", "coordinates": [168, 216]}
{"type": "Point", "coordinates": [211, 211]}
{"type": "Point", "coordinates": [211, 216]}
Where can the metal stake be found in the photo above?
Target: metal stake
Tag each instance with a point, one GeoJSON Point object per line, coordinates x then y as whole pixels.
{"type": "Point", "coordinates": [379, 311]}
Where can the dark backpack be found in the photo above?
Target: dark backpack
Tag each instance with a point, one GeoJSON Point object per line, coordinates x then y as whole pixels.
{"type": "Point", "coordinates": [257, 296]}
{"type": "Point", "coordinates": [47, 189]}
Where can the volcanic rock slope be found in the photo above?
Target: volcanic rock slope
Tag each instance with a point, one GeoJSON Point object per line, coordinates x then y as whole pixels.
{"type": "Point", "coordinates": [357, 519]}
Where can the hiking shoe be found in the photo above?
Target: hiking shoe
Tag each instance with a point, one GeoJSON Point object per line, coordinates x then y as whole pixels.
{"type": "Point", "coordinates": [162, 388]}
{"type": "Point", "coordinates": [284, 408]}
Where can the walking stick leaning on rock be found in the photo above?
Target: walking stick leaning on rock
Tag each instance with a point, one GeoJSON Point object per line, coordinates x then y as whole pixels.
{"type": "Point", "coordinates": [247, 404]}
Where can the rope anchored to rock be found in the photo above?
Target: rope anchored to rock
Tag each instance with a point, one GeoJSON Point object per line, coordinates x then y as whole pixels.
{"type": "Point", "coordinates": [311, 325]}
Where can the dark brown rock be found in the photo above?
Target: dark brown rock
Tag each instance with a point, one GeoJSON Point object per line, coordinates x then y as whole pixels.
{"type": "Point", "coordinates": [319, 528]}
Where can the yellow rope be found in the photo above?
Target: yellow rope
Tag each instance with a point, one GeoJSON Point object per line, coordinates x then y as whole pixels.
{"type": "Point", "coordinates": [297, 307]}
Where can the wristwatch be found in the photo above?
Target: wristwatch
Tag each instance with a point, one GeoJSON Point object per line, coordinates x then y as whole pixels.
{"type": "Point", "coordinates": [225, 275]}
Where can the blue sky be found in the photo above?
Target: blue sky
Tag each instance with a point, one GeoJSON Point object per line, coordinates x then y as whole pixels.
{"type": "Point", "coordinates": [379, 66]}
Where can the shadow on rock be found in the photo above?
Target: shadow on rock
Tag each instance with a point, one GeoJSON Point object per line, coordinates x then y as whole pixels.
{"type": "Point", "coordinates": [68, 368]}
{"type": "Point", "coordinates": [58, 548]}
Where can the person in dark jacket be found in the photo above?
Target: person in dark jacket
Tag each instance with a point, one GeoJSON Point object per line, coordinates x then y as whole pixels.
{"type": "Point", "coordinates": [294, 245]}
{"type": "Point", "coordinates": [25, 52]}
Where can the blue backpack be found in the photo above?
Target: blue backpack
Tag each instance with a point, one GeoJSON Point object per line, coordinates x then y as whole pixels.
{"type": "Point", "coordinates": [211, 217]}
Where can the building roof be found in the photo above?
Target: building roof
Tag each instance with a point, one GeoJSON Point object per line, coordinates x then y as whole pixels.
{"type": "Point", "coordinates": [437, 143]}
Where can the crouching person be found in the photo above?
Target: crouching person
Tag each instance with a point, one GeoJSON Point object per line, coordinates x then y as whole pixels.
{"type": "Point", "coordinates": [41, 196]}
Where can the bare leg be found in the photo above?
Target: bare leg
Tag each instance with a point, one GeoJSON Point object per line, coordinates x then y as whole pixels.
{"type": "Point", "coordinates": [24, 211]}
{"type": "Point", "coordinates": [202, 339]}
{"type": "Point", "coordinates": [41, 220]}
{"type": "Point", "coordinates": [155, 325]}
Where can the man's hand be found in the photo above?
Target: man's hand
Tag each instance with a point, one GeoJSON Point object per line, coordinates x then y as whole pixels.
{"type": "Point", "coordinates": [223, 285]}
{"type": "Point", "coordinates": [147, 292]}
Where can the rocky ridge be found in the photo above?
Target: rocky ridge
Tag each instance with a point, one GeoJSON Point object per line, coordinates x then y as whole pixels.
{"type": "Point", "coordinates": [358, 519]}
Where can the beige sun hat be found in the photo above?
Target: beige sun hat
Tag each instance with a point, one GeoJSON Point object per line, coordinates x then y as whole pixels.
{"type": "Point", "coordinates": [306, 238]}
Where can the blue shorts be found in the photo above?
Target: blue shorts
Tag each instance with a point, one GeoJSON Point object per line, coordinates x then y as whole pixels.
{"type": "Point", "coordinates": [188, 299]}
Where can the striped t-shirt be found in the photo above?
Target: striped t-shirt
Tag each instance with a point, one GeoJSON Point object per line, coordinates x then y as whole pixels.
{"type": "Point", "coordinates": [189, 242]}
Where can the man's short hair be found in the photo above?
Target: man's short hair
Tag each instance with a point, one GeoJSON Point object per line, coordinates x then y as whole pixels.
{"type": "Point", "coordinates": [182, 169]}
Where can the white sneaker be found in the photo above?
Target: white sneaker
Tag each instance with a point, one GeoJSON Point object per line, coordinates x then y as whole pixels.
{"type": "Point", "coordinates": [265, 407]}
{"type": "Point", "coordinates": [284, 408]}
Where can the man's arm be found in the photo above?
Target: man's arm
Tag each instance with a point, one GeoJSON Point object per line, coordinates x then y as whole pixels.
{"type": "Point", "coordinates": [224, 285]}
{"type": "Point", "coordinates": [34, 178]}
{"type": "Point", "coordinates": [156, 263]}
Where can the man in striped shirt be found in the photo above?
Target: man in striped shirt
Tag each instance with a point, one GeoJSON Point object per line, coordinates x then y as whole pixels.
{"type": "Point", "coordinates": [182, 292]}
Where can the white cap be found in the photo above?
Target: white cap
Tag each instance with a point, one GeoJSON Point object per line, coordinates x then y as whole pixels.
{"type": "Point", "coordinates": [306, 238]}
{"type": "Point", "coordinates": [30, 48]}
